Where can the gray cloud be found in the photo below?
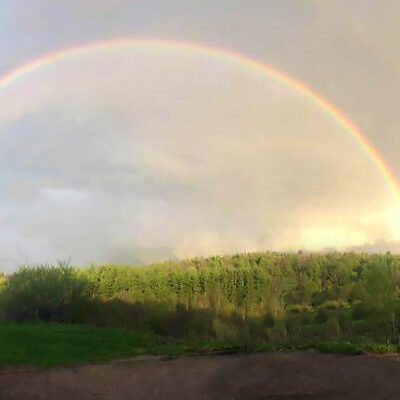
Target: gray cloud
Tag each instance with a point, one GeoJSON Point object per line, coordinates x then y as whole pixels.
{"type": "Point", "coordinates": [133, 155]}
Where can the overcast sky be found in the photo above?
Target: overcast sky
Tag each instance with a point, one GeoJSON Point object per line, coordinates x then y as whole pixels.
{"type": "Point", "coordinates": [131, 155]}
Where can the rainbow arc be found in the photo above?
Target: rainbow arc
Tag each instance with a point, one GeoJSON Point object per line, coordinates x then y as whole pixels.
{"type": "Point", "coordinates": [285, 79]}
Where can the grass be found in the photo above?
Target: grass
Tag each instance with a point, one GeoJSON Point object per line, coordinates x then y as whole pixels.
{"type": "Point", "coordinates": [48, 344]}
{"type": "Point", "coordinates": [43, 344]}
{"type": "Point", "coordinates": [323, 346]}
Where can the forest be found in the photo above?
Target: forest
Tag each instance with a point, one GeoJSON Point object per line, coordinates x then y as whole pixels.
{"type": "Point", "coordinates": [253, 300]}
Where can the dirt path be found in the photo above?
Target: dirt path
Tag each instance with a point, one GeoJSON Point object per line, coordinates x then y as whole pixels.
{"type": "Point", "coordinates": [259, 376]}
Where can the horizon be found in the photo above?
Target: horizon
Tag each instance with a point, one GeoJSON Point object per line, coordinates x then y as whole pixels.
{"type": "Point", "coordinates": [69, 264]}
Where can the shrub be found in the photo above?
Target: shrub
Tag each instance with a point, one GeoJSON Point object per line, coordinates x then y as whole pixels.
{"type": "Point", "coordinates": [321, 316]}
{"type": "Point", "coordinates": [360, 311]}
{"type": "Point", "coordinates": [244, 338]}
{"type": "Point", "coordinates": [306, 318]}
{"type": "Point", "coordinates": [221, 329]}
{"type": "Point", "coordinates": [381, 348]}
{"type": "Point", "coordinates": [338, 347]}
{"type": "Point", "coordinates": [344, 317]}
{"type": "Point", "coordinates": [332, 327]}
{"type": "Point", "coordinates": [279, 332]}
{"type": "Point", "coordinates": [319, 298]}
{"type": "Point", "coordinates": [255, 328]}
{"type": "Point", "coordinates": [293, 325]}
{"type": "Point", "coordinates": [176, 323]}
{"type": "Point", "coordinates": [2, 280]}
{"type": "Point", "coordinates": [268, 321]}
{"type": "Point", "coordinates": [202, 324]}
{"type": "Point", "coordinates": [297, 308]}
{"type": "Point", "coordinates": [112, 313]}
{"type": "Point", "coordinates": [44, 292]}
{"type": "Point", "coordinates": [333, 304]}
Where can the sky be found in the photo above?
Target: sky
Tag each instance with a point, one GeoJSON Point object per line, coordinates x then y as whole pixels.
{"type": "Point", "coordinates": [134, 154]}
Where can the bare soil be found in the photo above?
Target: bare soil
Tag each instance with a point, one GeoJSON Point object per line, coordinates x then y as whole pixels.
{"type": "Point", "coordinates": [260, 376]}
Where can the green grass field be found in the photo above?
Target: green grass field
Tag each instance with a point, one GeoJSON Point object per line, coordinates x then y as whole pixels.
{"type": "Point", "coordinates": [43, 344]}
{"type": "Point", "coordinates": [48, 344]}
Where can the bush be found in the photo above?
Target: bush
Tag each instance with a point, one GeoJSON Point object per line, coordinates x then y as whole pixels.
{"type": "Point", "coordinates": [293, 325]}
{"type": "Point", "coordinates": [338, 347]}
{"type": "Point", "coordinates": [2, 280]}
{"type": "Point", "coordinates": [306, 318]}
{"type": "Point", "coordinates": [111, 313]}
{"type": "Point", "coordinates": [177, 323]}
{"type": "Point", "coordinates": [202, 325]}
{"type": "Point", "coordinates": [333, 304]}
{"type": "Point", "coordinates": [256, 330]}
{"type": "Point", "coordinates": [321, 316]}
{"type": "Point", "coordinates": [381, 348]}
{"type": "Point", "coordinates": [360, 311]}
{"type": "Point", "coordinates": [297, 308]}
{"type": "Point", "coordinates": [319, 298]}
{"type": "Point", "coordinates": [344, 317]}
{"type": "Point", "coordinates": [279, 332]}
{"type": "Point", "coordinates": [221, 329]}
{"type": "Point", "coordinates": [332, 327]}
{"type": "Point", "coordinates": [268, 321]}
{"type": "Point", "coordinates": [44, 292]}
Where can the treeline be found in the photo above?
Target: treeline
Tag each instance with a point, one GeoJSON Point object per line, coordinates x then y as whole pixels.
{"type": "Point", "coordinates": [251, 284]}
{"type": "Point", "coordinates": [252, 297]}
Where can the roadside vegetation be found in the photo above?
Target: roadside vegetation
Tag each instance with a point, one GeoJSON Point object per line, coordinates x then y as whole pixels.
{"type": "Point", "coordinates": [45, 345]}
{"type": "Point", "coordinates": [337, 302]}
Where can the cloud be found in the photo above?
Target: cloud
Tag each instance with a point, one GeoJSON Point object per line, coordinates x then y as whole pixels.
{"type": "Point", "coordinates": [131, 155]}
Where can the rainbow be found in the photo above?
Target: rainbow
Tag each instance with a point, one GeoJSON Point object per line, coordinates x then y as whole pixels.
{"type": "Point", "coordinates": [283, 78]}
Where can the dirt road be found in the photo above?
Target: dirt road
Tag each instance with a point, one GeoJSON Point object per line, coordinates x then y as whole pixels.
{"type": "Point", "coordinates": [259, 376]}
